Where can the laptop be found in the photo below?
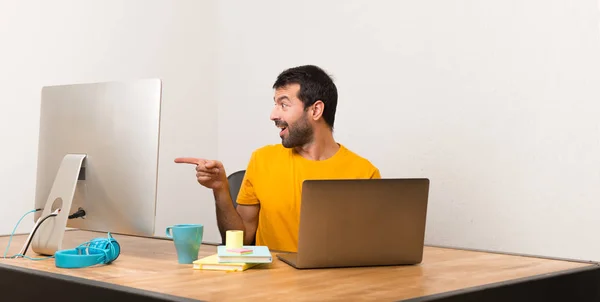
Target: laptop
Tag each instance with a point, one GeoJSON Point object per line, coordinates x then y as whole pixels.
{"type": "Point", "coordinates": [360, 222]}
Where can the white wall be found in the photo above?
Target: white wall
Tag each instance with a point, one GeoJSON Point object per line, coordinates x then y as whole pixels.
{"type": "Point", "coordinates": [64, 42]}
{"type": "Point", "coordinates": [495, 101]}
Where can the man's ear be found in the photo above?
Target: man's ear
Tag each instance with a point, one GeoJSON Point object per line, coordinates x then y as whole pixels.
{"type": "Point", "coordinates": [317, 110]}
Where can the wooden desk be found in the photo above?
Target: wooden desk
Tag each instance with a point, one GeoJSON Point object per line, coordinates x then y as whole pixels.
{"type": "Point", "coordinates": [149, 266]}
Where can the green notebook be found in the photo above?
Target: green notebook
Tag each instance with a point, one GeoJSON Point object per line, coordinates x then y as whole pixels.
{"type": "Point", "coordinates": [259, 254]}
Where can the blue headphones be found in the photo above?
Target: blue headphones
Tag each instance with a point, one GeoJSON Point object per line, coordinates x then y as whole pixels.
{"type": "Point", "coordinates": [96, 251]}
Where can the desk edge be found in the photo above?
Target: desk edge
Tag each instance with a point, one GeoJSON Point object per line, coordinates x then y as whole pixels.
{"type": "Point", "coordinates": [94, 283]}
{"type": "Point", "coordinates": [500, 284]}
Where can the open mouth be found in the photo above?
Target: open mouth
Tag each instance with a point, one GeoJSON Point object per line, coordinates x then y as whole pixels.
{"type": "Point", "coordinates": [283, 130]}
{"type": "Point", "coordinates": [282, 127]}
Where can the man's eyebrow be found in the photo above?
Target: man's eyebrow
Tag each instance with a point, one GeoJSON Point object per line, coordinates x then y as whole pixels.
{"type": "Point", "coordinates": [283, 97]}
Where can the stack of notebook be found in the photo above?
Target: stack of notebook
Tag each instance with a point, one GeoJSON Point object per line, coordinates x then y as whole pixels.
{"type": "Point", "coordinates": [235, 260]}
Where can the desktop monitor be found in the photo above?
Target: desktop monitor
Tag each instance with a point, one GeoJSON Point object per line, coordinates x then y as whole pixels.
{"type": "Point", "coordinates": [98, 151]}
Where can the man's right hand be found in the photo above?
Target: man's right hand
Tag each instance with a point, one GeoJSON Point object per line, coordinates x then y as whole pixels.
{"type": "Point", "coordinates": [209, 173]}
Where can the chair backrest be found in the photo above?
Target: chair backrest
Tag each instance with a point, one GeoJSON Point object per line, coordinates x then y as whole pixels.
{"type": "Point", "coordinates": [235, 183]}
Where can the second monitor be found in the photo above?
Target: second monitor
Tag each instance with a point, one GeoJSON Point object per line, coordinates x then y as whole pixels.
{"type": "Point", "coordinates": [98, 151]}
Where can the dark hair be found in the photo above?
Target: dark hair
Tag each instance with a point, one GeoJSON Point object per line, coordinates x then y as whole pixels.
{"type": "Point", "coordinates": [315, 84]}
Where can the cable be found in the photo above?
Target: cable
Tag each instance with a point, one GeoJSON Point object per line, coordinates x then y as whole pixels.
{"type": "Point", "coordinates": [15, 229]}
{"type": "Point", "coordinates": [30, 258]}
{"type": "Point", "coordinates": [53, 214]}
{"type": "Point", "coordinates": [80, 213]}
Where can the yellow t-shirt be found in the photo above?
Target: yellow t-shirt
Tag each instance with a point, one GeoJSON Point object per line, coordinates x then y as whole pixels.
{"type": "Point", "coordinates": [274, 179]}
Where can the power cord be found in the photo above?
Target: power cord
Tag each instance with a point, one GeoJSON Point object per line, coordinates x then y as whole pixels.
{"type": "Point", "coordinates": [38, 223]}
{"type": "Point", "coordinates": [80, 213]}
{"type": "Point", "coordinates": [15, 229]}
{"type": "Point", "coordinates": [35, 228]}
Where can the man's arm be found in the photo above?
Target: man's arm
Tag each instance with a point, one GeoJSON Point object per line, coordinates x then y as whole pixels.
{"type": "Point", "coordinates": [249, 215]}
{"type": "Point", "coordinates": [211, 174]}
{"type": "Point", "coordinates": [245, 218]}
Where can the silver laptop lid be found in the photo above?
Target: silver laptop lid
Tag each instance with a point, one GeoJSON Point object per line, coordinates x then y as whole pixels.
{"type": "Point", "coordinates": [362, 222]}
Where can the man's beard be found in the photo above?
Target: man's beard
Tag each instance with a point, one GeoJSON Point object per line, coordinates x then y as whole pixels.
{"type": "Point", "coordinates": [299, 134]}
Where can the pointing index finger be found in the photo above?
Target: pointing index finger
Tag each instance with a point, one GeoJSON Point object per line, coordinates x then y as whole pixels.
{"type": "Point", "coordinates": [189, 160]}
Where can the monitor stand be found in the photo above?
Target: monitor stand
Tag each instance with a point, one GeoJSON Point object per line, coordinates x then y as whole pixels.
{"type": "Point", "coordinates": [49, 235]}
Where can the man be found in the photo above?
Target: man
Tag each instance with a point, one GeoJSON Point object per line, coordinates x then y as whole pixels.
{"type": "Point", "coordinates": [268, 208]}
